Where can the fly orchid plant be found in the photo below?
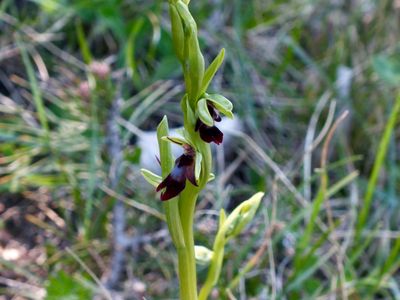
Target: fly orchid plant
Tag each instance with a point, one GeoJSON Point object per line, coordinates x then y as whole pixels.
{"type": "Point", "coordinates": [183, 179]}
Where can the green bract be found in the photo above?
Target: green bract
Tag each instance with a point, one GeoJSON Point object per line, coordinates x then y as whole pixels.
{"type": "Point", "coordinates": [150, 177]}
{"type": "Point", "coordinates": [176, 140]}
{"type": "Point", "coordinates": [211, 70]}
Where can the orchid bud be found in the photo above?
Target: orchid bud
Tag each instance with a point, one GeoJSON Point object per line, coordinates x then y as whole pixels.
{"type": "Point", "coordinates": [196, 67]}
{"type": "Point", "coordinates": [241, 216]}
{"type": "Point", "coordinates": [203, 255]}
{"type": "Point", "coordinates": [193, 55]}
{"type": "Point", "coordinates": [178, 37]}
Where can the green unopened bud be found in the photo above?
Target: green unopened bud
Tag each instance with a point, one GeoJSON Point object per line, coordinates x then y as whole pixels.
{"type": "Point", "coordinates": [203, 255]}
{"type": "Point", "coordinates": [178, 37]}
{"type": "Point", "coordinates": [187, 18]}
{"type": "Point", "coordinates": [194, 60]}
{"type": "Point", "coordinates": [241, 216]}
{"type": "Point", "coordinates": [196, 67]}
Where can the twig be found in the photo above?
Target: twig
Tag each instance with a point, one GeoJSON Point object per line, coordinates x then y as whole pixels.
{"type": "Point", "coordinates": [255, 259]}
{"type": "Point", "coordinates": [324, 158]}
{"type": "Point", "coordinates": [140, 206]}
{"type": "Point", "coordinates": [90, 272]}
{"type": "Point", "coordinates": [114, 149]}
{"type": "Point", "coordinates": [33, 291]}
{"type": "Point", "coordinates": [308, 144]}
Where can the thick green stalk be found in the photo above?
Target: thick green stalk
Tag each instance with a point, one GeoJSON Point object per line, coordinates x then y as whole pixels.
{"type": "Point", "coordinates": [215, 266]}
{"type": "Point", "coordinates": [187, 262]}
{"type": "Point", "coordinates": [184, 33]}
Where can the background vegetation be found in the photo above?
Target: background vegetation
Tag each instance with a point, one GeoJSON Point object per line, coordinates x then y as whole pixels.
{"type": "Point", "coordinates": [75, 75]}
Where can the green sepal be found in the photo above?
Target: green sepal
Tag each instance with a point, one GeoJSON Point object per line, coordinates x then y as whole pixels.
{"type": "Point", "coordinates": [197, 166]}
{"type": "Point", "coordinates": [221, 103]}
{"type": "Point", "coordinates": [166, 158]}
{"type": "Point", "coordinates": [204, 113]}
{"type": "Point", "coordinates": [150, 177]}
{"type": "Point", "coordinates": [211, 70]}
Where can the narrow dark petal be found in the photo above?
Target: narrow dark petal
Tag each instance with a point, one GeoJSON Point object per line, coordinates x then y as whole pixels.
{"type": "Point", "coordinates": [190, 174]}
{"type": "Point", "coordinates": [163, 184]}
{"type": "Point", "coordinates": [173, 189]}
{"type": "Point", "coordinates": [214, 113]}
{"type": "Point", "coordinates": [211, 134]}
{"type": "Point", "coordinates": [198, 125]}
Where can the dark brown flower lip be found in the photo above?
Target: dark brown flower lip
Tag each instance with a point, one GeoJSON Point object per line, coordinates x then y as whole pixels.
{"type": "Point", "coordinates": [209, 133]}
{"type": "Point", "coordinates": [175, 182]}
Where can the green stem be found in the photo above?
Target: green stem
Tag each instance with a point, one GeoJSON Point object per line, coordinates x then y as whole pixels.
{"type": "Point", "coordinates": [187, 262]}
{"type": "Point", "coordinates": [215, 266]}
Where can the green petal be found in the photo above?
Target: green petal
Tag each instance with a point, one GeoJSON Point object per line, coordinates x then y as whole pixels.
{"type": "Point", "coordinates": [221, 103]}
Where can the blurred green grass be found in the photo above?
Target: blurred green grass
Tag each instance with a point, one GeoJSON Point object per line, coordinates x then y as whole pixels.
{"type": "Point", "coordinates": [284, 65]}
